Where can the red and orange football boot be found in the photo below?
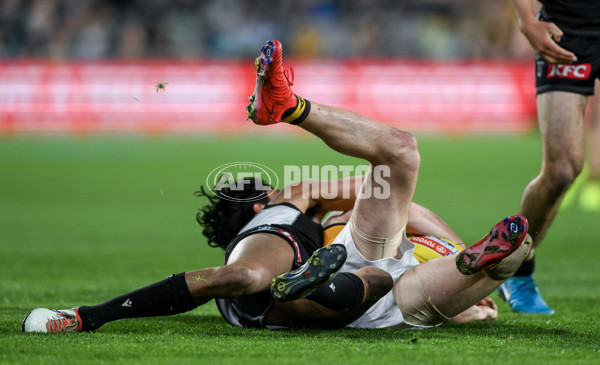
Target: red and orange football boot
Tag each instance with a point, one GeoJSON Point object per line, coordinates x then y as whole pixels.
{"type": "Point", "coordinates": [504, 238]}
{"type": "Point", "coordinates": [273, 100]}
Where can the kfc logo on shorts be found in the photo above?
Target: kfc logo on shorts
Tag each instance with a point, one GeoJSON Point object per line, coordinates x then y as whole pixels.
{"type": "Point", "coordinates": [579, 72]}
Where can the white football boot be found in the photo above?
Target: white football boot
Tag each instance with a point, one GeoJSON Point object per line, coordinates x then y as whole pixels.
{"type": "Point", "coordinates": [52, 321]}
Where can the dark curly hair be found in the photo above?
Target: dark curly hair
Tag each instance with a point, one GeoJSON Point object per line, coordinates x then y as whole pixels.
{"type": "Point", "coordinates": [229, 210]}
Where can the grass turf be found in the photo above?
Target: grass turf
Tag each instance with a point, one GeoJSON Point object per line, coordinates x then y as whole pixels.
{"type": "Point", "coordinates": [84, 220]}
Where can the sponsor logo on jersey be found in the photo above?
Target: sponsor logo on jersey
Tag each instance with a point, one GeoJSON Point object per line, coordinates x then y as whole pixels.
{"type": "Point", "coordinates": [432, 244]}
{"type": "Point", "coordinates": [578, 72]}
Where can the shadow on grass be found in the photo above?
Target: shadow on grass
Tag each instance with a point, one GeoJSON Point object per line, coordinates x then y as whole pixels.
{"type": "Point", "coordinates": [214, 326]}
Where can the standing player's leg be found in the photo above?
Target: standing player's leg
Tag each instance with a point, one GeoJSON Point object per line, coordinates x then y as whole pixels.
{"type": "Point", "coordinates": [590, 192]}
{"type": "Point", "coordinates": [561, 123]}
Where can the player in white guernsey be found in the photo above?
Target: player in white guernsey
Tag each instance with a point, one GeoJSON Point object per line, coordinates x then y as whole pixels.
{"type": "Point", "coordinates": [424, 295]}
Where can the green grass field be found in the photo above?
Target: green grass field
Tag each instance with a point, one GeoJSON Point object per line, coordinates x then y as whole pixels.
{"type": "Point", "coordinates": [84, 220]}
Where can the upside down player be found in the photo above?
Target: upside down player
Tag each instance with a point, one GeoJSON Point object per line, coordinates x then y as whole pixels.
{"type": "Point", "coordinates": [424, 295]}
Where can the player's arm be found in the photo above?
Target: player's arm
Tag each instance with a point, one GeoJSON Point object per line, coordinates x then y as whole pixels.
{"type": "Point", "coordinates": [421, 222]}
{"type": "Point", "coordinates": [321, 196]}
{"type": "Point", "coordinates": [541, 35]}
{"type": "Point", "coordinates": [424, 222]}
{"type": "Point", "coordinates": [339, 195]}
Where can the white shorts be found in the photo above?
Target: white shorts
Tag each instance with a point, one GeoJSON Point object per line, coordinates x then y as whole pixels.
{"type": "Point", "coordinates": [385, 313]}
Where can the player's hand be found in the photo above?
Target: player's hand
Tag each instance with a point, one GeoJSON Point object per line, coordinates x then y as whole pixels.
{"type": "Point", "coordinates": [488, 309]}
{"type": "Point", "coordinates": [543, 37]}
{"type": "Point", "coordinates": [485, 310]}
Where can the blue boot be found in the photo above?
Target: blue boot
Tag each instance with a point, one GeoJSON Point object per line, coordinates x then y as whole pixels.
{"type": "Point", "coordinates": [523, 296]}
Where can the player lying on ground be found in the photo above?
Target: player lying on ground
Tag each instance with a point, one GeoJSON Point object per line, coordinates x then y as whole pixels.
{"type": "Point", "coordinates": [433, 239]}
{"type": "Point", "coordinates": [258, 248]}
{"type": "Point", "coordinates": [278, 239]}
{"type": "Point", "coordinates": [423, 295]}
{"type": "Point", "coordinates": [241, 277]}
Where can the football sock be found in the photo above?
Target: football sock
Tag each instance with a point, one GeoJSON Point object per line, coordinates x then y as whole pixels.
{"type": "Point", "coordinates": [526, 268]}
{"type": "Point", "coordinates": [297, 114]}
{"type": "Point", "coordinates": [345, 292]}
{"type": "Point", "coordinates": [166, 297]}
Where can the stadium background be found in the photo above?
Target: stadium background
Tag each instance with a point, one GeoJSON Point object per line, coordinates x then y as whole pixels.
{"type": "Point", "coordinates": [91, 66]}
{"type": "Point", "coordinates": [98, 169]}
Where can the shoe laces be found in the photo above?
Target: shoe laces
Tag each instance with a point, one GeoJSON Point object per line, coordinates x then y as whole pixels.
{"type": "Point", "coordinates": [63, 324]}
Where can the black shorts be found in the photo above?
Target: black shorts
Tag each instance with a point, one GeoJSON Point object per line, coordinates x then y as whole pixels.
{"type": "Point", "coordinates": [578, 77]}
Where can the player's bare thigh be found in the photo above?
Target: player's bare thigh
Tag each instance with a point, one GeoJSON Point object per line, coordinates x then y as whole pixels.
{"type": "Point", "coordinates": [561, 122]}
{"type": "Point", "coordinates": [265, 256]}
{"type": "Point", "coordinates": [379, 221]}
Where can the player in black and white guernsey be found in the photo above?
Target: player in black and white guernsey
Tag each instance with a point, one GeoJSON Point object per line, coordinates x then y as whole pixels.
{"type": "Point", "coordinates": [287, 223]}
{"type": "Point", "coordinates": [565, 35]}
{"type": "Point", "coordinates": [281, 224]}
{"type": "Point", "coordinates": [265, 234]}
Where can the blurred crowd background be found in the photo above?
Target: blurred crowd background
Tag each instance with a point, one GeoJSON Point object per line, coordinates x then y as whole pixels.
{"type": "Point", "coordinates": [186, 29]}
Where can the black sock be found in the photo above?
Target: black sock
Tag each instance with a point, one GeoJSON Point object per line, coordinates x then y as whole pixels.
{"type": "Point", "coordinates": [345, 292]}
{"type": "Point", "coordinates": [169, 296]}
{"type": "Point", "coordinates": [526, 268]}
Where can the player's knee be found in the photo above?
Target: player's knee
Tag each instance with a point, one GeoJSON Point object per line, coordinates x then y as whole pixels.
{"type": "Point", "coordinates": [399, 148]}
{"type": "Point", "coordinates": [563, 174]}
{"type": "Point", "coordinates": [377, 282]}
